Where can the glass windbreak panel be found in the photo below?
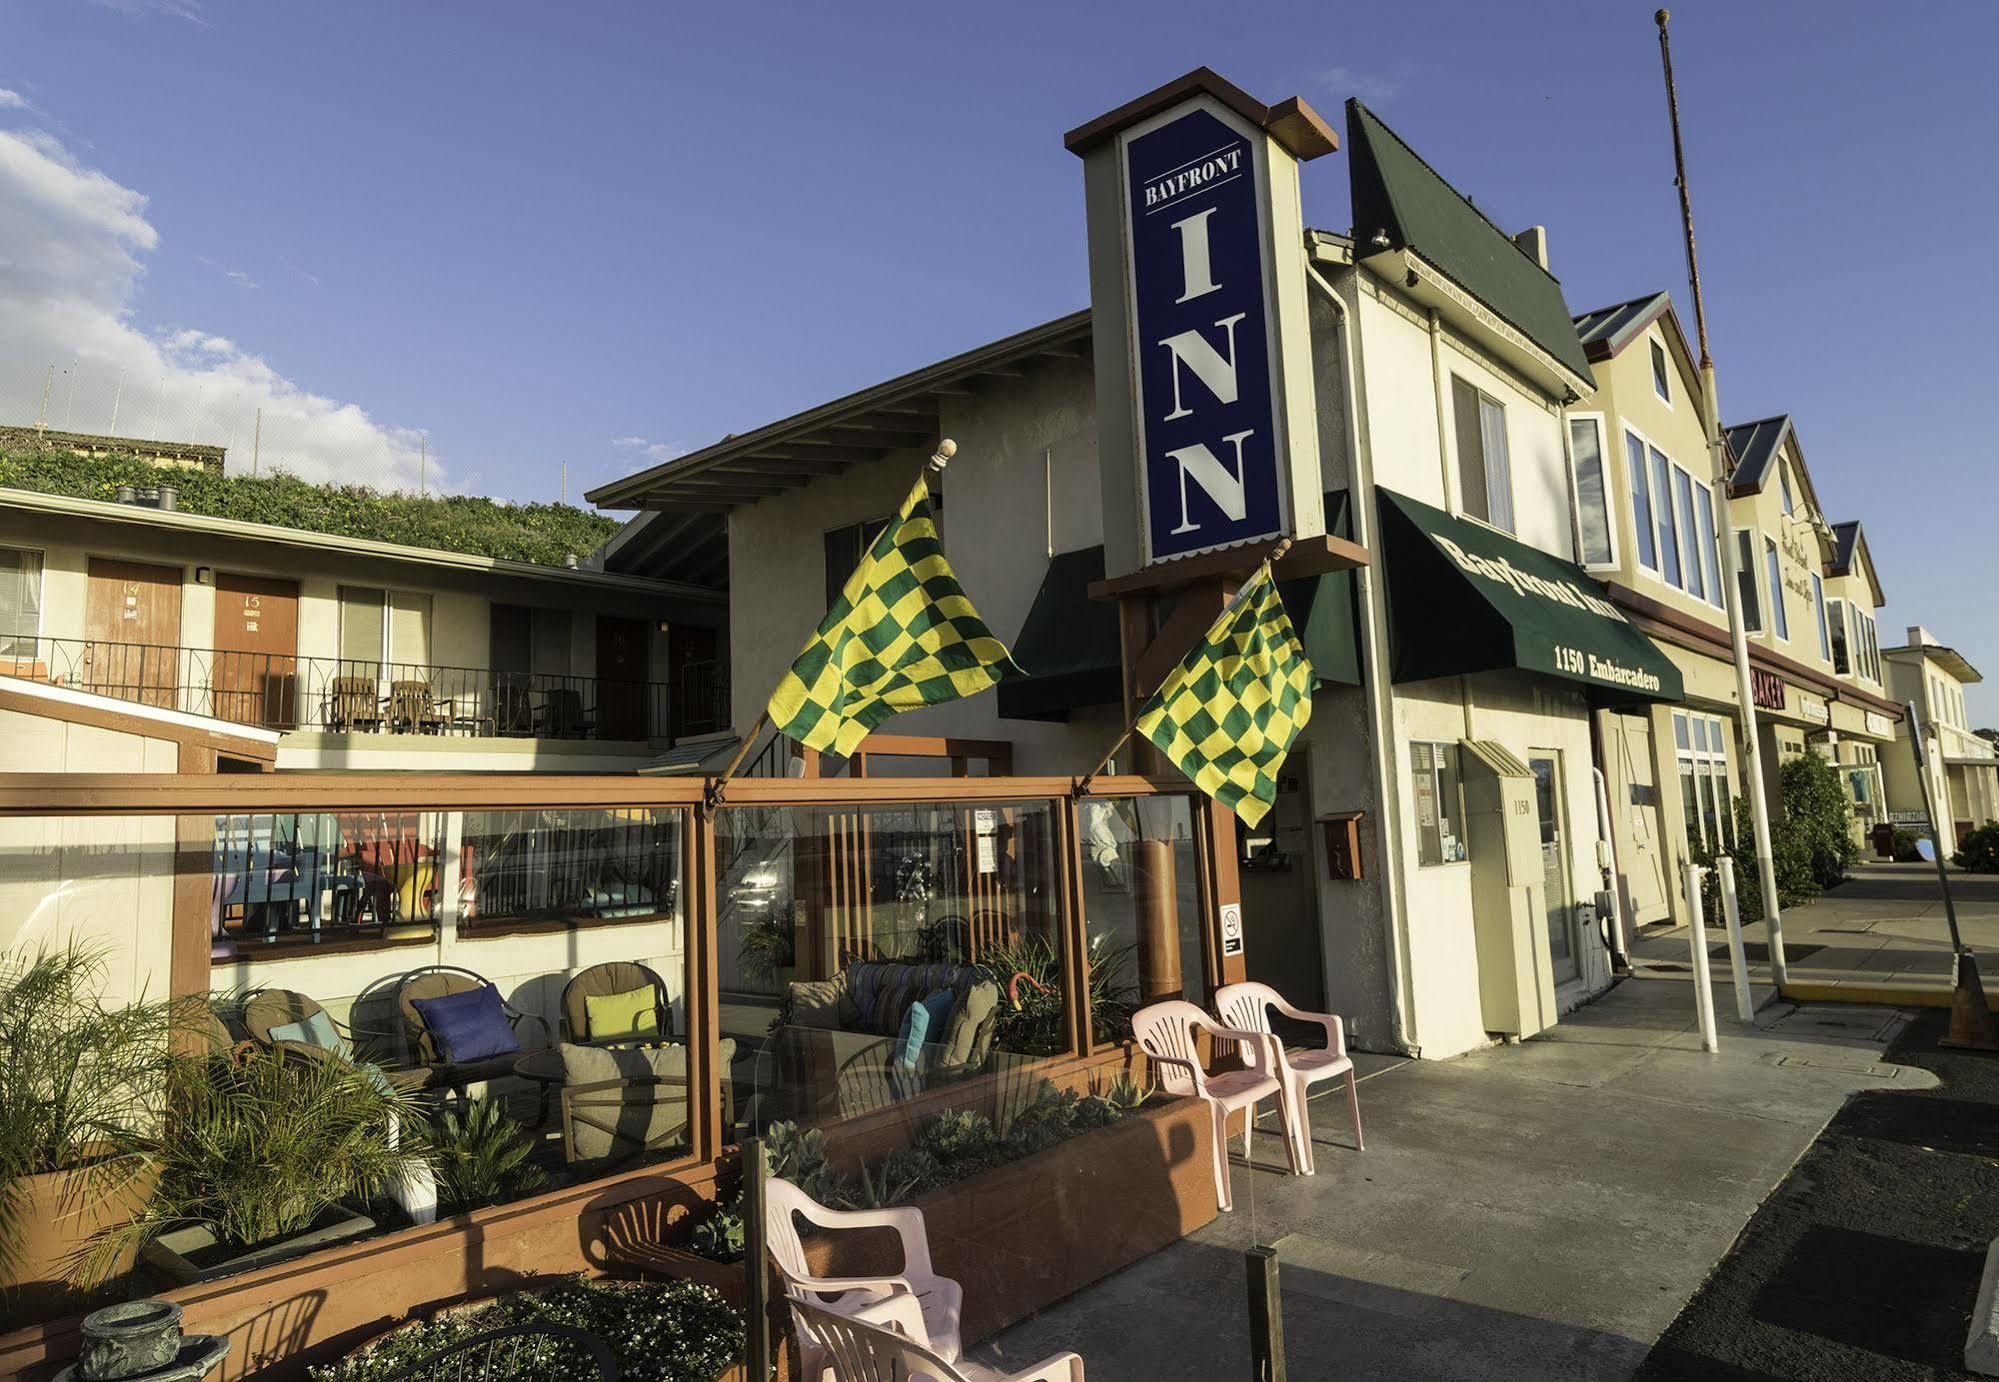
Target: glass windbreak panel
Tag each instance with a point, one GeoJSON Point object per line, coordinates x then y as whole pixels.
{"type": "Point", "coordinates": [357, 992]}
{"type": "Point", "coordinates": [872, 956]}
{"type": "Point", "coordinates": [1141, 908]}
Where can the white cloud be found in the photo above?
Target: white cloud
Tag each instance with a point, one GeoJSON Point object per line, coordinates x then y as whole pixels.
{"type": "Point", "coordinates": [655, 451]}
{"type": "Point", "coordinates": [1372, 87]}
{"type": "Point", "coordinates": [73, 245]}
{"type": "Point", "coordinates": [190, 10]}
{"type": "Point", "coordinates": [12, 100]}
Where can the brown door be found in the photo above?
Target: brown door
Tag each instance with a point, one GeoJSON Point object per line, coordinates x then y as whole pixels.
{"type": "Point", "coordinates": [256, 650]}
{"type": "Point", "coordinates": [132, 619]}
{"type": "Point", "coordinates": [693, 680]}
{"type": "Point", "coordinates": [621, 678]}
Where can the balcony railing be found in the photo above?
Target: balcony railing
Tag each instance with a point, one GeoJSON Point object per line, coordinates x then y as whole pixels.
{"type": "Point", "coordinates": [347, 695]}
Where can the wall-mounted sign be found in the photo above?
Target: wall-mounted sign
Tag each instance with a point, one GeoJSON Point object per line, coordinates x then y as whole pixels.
{"type": "Point", "coordinates": [1766, 689]}
{"type": "Point", "coordinates": [1879, 725]}
{"type": "Point", "coordinates": [1210, 445]}
{"type": "Point", "coordinates": [1814, 708]}
{"type": "Point", "coordinates": [1232, 929]}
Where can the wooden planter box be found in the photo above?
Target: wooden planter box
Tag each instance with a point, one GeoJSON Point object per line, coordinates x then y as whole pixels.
{"type": "Point", "coordinates": [188, 1255]}
{"type": "Point", "coordinates": [1035, 1231]}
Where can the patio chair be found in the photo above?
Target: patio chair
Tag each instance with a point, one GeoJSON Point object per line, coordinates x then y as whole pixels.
{"type": "Point", "coordinates": [938, 1301]}
{"type": "Point", "coordinates": [1248, 1006]}
{"type": "Point", "coordinates": [859, 1350]}
{"type": "Point", "coordinates": [624, 1102]}
{"type": "Point", "coordinates": [416, 709]}
{"type": "Point", "coordinates": [562, 715]}
{"type": "Point", "coordinates": [513, 707]}
{"type": "Point", "coordinates": [603, 981]}
{"type": "Point", "coordinates": [424, 1051]}
{"type": "Point", "coordinates": [1167, 1033]}
{"type": "Point", "coordinates": [266, 1009]}
{"type": "Point", "coordinates": [351, 704]}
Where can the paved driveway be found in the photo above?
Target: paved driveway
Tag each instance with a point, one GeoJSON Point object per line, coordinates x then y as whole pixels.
{"type": "Point", "coordinates": [1539, 1211]}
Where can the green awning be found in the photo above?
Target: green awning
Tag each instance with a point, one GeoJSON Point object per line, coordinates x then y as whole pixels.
{"type": "Point", "coordinates": [1463, 597]}
{"type": "Point", "coordinates": [1068, 646]}
{"type": "Point", "coordinates": [1322, 608]}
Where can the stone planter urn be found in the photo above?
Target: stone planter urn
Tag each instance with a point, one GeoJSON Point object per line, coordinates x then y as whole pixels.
{"type": "Point", "coordinates": [140, 1341]}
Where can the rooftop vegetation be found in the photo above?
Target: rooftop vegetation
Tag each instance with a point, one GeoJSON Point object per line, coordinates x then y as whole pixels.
{"type": "Point", "coordinates": [541, 533]}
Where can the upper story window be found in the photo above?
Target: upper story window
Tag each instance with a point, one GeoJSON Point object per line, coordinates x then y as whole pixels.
{"type": "Point", "coordinates": [1641, 503]}
{"type": "Point", "coordinates": [1818, 608]}
{"type": "Point", "coordinates": [527, 640]}
{"type": "Point", "coordinates": [1866, 650]}
{"type": "Point", "coordinates": [1779, 619]}
{"type": "Point", "coordinates": [844, 549]}
{"type": "Point", "coordinates": [1595, 542]}
{"type": "Point", "coordinates": [1669, 525]}
{"type": "Point", "coordinates": [1661, 374]}
{"type": "Point", "coordinates": [1784, 491]}
{"type": "Point", "coordinates": [383, 626]}
{"type": "Point", "coordinates": [1842, 661]}
{"type": "Point", "coordinates": [1748, 588]}
{"type": "Point", "coordinates": [20, 602]}
{"type": "Point", "coordinates": [1485, 474]}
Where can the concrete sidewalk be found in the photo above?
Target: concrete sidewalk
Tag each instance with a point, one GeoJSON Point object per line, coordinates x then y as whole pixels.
{"type": "Point", "coordinates": [1536, 1211]}
{"type": "Point", "coordinates": [1881, 936]}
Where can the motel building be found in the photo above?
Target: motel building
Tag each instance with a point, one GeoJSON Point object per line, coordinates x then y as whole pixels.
{"type": "Point", "coordinates": [1646, 523]}
{"type": "Point", "coordinates": [1401, 401]}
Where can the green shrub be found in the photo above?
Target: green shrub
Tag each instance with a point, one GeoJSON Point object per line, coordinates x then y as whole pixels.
{"type": "Point", "coordinates": [481, 1157]}
{"type": "Point", "coordinates": [1815, 804]}
{"type": "Point", "coordinates": [673, 1331]}
{"type": "Point", "coordinates": [723, 1236]}
{"type": "Point", "coordinates": [544, 534]}
{"type": "Point", "coordinates": [1904, 849]}
{"type": "Point", "coordinates": [1796, 883]}
{"type": "Point", "coordinates": [1979, 851]}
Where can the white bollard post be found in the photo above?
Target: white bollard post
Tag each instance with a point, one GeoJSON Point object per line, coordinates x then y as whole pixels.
{"type": "Point", "coordinates": [1745, 1004]}
{"type": "Point", "coordinates": [1697, 942]}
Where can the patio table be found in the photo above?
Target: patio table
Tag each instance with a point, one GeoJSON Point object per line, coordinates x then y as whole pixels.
{"type": "Point", "coordinates": [545, 1068]}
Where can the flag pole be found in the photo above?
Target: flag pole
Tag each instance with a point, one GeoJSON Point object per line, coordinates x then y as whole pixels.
{"type": "Point", "coordinates": [941, 457]}
{"type": "Point", "coordinates": [1131, 727]}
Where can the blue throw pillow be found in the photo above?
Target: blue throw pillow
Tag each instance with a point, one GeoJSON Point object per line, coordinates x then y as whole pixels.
{"type": "Point", "coordinates": [468, 1026]}
{"type": "Point", "coordinates": [317, 1030]}
{"type": "Point", "coordinates": [931, 1014]}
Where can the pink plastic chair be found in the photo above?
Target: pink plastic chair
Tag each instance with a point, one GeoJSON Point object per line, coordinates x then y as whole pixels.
{"type": "Point", "coordinates": [865, 1351]}
{"type": "Point", "coordinates": [1167, 1031]}
{"type": "Point", "coordinates": [1248, 1006]}
{"type": "Point", "coordinates": [939, 1301]}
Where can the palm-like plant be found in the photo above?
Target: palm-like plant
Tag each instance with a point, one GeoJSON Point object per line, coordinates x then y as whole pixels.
{"type": "Point", "coordinates": [482, 1156]}
{"type": "Point", "coordinates": [82, 1082]}
{"type": "Point", "coordinates": [256, 1147]}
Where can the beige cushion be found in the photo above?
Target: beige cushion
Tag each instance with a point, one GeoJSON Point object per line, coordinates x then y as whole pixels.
{"type": "Point", "coordinates": [824, 1003]}
{"type": "Point", "coordinates": [649, 1111]}
{"type": "Point", "coordinates": [975, 1011]}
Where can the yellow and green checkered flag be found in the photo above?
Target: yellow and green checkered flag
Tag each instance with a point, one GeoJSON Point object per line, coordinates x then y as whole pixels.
{"type": "Point", "coordinates": [1227, 715]}
{"type": "Point", "coordinates": [901, 635]}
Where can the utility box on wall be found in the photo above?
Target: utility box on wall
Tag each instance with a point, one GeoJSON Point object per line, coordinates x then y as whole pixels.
{"type": "Point", "coordinates": [1503, 841]}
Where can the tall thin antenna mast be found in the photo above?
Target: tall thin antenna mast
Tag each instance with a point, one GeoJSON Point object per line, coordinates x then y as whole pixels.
{"type": "Point", "coordinates": [1724, 535]}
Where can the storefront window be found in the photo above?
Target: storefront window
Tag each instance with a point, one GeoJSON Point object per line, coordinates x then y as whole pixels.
{"type": "Point", "coordinates": [1701, 742]}
{"type": "Point", "coordinates": [1141, 908]}
{"type": "Point", "coordinates": [1440, 834]}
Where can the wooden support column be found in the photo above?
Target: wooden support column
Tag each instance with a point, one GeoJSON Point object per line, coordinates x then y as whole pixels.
{"type": "Point", "coordinates": [704, 989]}
{"type": "Point", "coordinates": [191, 940]}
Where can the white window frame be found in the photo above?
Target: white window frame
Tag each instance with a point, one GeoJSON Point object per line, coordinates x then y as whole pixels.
{"type": "Point", "coordinates": [1773, 571]}
{"type": "Point", "coordinates": [1825, 626]}
{"type": "Point", "coordinates": [1712, 763]}
{"type": "Point", "coordinates": [1657, 341]}
{"type": "Point", "coordinates": [1656, 568]}
{"type": "Point", "coordinates": [1485, 461]}
{"type": "Point", "coordinates": [1757, 620]}
{"type": "Point", "coordinates": [1784, 490]}
{"type": "Point", "coordinates": [1835, 609]}
{"type": "Point", "coordinates": [1712, 570]}
{"type": "Point", "coordinates": [32, 636]}
{"type": "Point", "coordinates": [1603, 461]}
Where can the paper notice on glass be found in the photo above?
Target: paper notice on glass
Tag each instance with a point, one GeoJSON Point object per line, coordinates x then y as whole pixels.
{"type": "Point", "coordinates": [985, 830]}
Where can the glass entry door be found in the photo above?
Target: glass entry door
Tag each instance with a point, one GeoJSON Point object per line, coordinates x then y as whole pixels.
{"type": "Point", "coordinates": [1546, 765]}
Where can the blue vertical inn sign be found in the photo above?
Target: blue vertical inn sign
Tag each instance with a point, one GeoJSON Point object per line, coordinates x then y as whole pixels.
{"type": "Point", "coordinates": [1208, 420]}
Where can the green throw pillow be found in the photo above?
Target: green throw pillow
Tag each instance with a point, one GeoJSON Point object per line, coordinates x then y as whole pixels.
{"type": "Point", "coordinates": [629, 1016]}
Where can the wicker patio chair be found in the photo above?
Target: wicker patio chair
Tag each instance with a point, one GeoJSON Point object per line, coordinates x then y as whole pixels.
{"type": "Point", "coordinates": [602, 980]}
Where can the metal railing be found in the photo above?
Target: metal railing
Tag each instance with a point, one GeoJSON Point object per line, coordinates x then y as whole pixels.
{"type": "Point", "coordinates": [701, 699]}
{"type": "Point", "coordinates": [348, 695]}
{"type": "Point", "coordinates": [288, 877]}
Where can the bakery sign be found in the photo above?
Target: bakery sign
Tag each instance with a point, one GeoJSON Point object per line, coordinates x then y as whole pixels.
{"type": "Point", "coordinates": [1200, 289]}
{"type": "Point", "coordinates": [1766, 689]}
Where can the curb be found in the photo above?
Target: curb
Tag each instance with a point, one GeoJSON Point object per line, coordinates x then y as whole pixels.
{"type": "Point", "coordinates": [1981, 1347]}
{"type": "Point", "coordinates": [1883, 995]}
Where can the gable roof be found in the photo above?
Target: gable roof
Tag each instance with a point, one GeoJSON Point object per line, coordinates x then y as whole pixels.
{"type": "Point", "coordinates": [1849, 545]}
{"type": "Point", "coordinates": [1756, 446]}
{"type": "Point", "coordinates": [1402, 203]}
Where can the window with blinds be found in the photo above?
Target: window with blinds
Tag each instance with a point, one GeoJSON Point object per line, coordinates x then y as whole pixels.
{"type": "Point", "coordinates": [1485, 473]}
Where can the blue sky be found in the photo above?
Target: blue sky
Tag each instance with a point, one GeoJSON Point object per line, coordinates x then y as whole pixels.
{"type": "Point", "coordinates": [543, 233]}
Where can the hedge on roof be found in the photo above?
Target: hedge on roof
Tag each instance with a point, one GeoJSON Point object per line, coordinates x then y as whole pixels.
{"type": "Point", "coordinates": [540, 533]}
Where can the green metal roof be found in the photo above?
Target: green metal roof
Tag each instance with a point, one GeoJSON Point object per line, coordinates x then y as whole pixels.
{"type": "Point", "coordinates": [1398, 196]}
